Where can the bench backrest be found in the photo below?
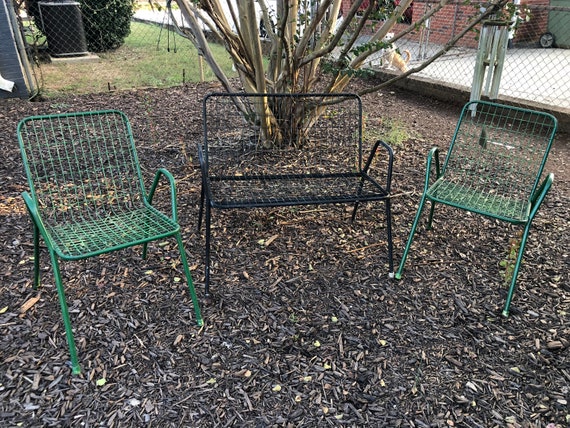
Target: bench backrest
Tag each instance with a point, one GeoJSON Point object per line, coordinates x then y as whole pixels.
{"type": "Point", "coordinates": [500, 149]}
{"type": "Point", "coordinates": [80, 165]}
{"type": "Point", "coordinates": [317, 134]}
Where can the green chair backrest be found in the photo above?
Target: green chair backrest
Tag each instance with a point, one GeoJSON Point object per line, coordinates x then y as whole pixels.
{"type": "Point", "coordinates": [81, 165]}
{"type": "Point", "coordinates": [500, 149]}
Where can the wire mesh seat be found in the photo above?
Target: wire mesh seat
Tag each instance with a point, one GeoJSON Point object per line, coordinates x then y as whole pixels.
{"type": "Point", "coordinates": [493, 167]}
{"type": "Point", "coordinates": [87, 195]}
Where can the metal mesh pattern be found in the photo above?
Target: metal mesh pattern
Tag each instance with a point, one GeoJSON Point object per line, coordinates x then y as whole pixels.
{"type": "Point", "coordinates": [83, 171]}
{"type": "Point", "coordinates": [111, 231]}
{"type": "Point", "coordinates": [291, 190]}
{"type": "Point", "coordinates": [247, 167]}
{"type": "Point", "coordinates": [495, 160]}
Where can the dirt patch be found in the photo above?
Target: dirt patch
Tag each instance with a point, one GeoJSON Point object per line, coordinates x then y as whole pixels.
{"type": "Point", "coordinates": [305, 332]}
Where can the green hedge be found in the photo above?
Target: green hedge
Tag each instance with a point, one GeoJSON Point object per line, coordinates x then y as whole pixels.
{"type": "Point", "coordinates": [107, 23]}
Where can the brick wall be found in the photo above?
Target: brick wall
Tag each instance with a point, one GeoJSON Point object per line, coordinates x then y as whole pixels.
{"type": "Point", "coordinates": [538, 23]}
{"type": "Point", "coordinates": [453, 18]}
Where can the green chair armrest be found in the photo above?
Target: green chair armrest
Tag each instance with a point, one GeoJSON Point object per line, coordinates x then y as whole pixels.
{"type": "Point", "coordinates": [540, 194]}
{"type": "Point", "coordinates": [160, 173]}
{"type": "Point", "coordinates": [31, 204]}
{"type": "Point", "coordinates": [32, 207]}
{"type": "Point", "coordinates": [433, 156]}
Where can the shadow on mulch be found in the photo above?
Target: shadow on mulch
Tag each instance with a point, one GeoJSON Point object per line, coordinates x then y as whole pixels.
{"type": "Point", "coordinates": [306, 331]}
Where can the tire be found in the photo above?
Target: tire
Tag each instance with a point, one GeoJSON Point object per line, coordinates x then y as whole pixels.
{"type": "Point", "coordinates": [547, 40]}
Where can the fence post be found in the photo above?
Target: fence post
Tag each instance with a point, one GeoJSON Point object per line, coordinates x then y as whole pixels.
{"type": "Point", "coordinates": [490, 57]}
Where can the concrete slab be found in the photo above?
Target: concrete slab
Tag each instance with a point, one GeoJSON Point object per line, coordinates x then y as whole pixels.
{"type": "Point", "coordinates": [90, 57]}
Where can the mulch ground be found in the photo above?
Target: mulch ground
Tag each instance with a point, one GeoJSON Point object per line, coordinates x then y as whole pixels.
{"type": "Point", "coordinates": [304, 328]}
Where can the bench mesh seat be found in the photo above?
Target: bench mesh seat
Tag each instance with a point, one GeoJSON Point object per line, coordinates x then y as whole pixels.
{"type": "Point", "coordinates": [267, 191]}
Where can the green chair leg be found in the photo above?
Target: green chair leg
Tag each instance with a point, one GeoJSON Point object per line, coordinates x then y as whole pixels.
{"type": "Point", "coordinates": [36, 257]}
{"type": "Point", "coordinates": [75, 368]}
{"type": "Point", "coordinates": [513, 285]}
{"type": "Point", "coordinates": [145, 250]}
{"type": "Point", "coordinates": [430, 218]}
{"type": "Point", "coordinates": [189, 280]}
{"type": "Point", "coordinates": [411, 237]}
{"type": "Point", "coordinates": [199, 319]}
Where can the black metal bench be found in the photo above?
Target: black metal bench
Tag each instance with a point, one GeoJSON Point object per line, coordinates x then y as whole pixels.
{"type": "Point", "coordinates": [269, 150]}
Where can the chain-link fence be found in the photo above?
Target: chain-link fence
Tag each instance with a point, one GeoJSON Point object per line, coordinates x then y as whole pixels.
{"type": "Point", "coordinates": [535, 62]}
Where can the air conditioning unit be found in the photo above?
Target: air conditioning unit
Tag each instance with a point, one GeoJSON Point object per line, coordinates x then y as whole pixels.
{"type": "Point", "coordinates": [63, 26]}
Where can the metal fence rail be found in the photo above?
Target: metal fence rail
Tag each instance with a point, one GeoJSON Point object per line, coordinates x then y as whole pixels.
{"type": "Point", "coordinates": [535, 68]}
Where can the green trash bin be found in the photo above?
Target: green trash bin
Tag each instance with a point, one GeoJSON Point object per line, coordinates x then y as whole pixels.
{"type": "Point", "coordinates": [558, 25]}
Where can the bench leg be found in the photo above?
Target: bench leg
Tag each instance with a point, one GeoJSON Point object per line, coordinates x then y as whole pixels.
{"type": "Point", "coordinates": [388, 230]}
{"type": "Point", "coordinates": [201, 212]}
{"type": "Point", "coordinates": [389, 233]}
{"type": "Point", "coordinates": [353, 216]}
{"type": "Point", "coordinates": [207, 255]}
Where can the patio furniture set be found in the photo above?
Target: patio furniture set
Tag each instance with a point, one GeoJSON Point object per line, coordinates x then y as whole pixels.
{"type": "Point", "coordinates": [87, 196]}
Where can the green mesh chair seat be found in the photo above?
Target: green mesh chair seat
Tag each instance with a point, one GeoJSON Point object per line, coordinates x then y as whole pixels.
{"type": "Point", "coordinates": [104, 233]}
{"type": "Point", "coordinates": [87, 195]}
{"type": "Point", "coordinates": [493, 167]}
{"type": "Point", "coordinates": [480, 199]}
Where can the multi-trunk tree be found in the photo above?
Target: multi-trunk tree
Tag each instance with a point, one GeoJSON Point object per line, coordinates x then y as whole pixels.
{"type": "Point", "coordinates": [287, 46]}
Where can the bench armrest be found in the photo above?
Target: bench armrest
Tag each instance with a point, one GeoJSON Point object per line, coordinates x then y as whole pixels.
{"type": "Point", "coordinates": [390, 161]}
{"type": "Point", "coordinates": [203, 169]}
{"type": "Point", "coordinates": [202, 159]}
{"type": "Point", "coordinates": [164, 172]}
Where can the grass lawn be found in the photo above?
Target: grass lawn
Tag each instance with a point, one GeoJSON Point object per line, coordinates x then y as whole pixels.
{"type": "Point", "coordinates": [150, 57]}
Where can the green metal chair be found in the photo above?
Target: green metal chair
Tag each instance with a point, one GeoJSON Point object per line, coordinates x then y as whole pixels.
{"type": "Point", "coordinates": [87, 195]}
{"type": "Point", "coordinates": [493, 168]}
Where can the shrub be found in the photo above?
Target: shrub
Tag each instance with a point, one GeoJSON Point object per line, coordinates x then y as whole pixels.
{"type": "Point", "coordinates": [107, 23]}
